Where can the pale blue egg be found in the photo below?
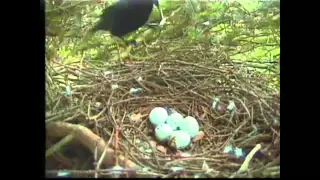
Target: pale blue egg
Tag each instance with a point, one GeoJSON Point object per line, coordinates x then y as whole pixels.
{"type": "Point", "coordinates": [174, 120]}
{"type": "Point", "coordinates": [158, 115]}
{"type": "Point", "coordinates": [179, 139]}
{"type": "Point", "coordinates": [163, 132]}
{"type": "Point", "coordinates": [190, 125]}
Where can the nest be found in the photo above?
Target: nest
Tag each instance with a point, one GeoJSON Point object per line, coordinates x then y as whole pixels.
{"type": "Point", "coordinates": [95, 119]}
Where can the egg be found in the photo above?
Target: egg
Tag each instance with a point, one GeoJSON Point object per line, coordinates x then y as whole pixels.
{"type": "Point", "coordinates": [158, 115]}
{"type": "Point", "coordinates": [174, 120]}
{"type": "Point", "coordinates": [163, 132]}
{"type": "Point", "coordinates": [190, 125]}
{"type": "Point", "coordinates": [179, 139]}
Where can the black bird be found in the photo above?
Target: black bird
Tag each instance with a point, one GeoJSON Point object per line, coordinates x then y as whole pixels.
{"type": "Point", "coordinates": [126, 16]}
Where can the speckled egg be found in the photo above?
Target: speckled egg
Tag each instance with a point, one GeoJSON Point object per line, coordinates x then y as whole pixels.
{"type": "Point", "coordinates": [174, 120]}
{"type": "Point", "coordinates": [190, 125]}
{"type": "Point", "coordinates": [163, 132]}
{"type": "Point", "coordinates": [158, 116]}
{"type": "Point", "coordinates": [179, 139]}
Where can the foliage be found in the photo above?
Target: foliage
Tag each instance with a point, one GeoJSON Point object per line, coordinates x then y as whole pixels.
{"type": "Point", "coordinates": [248, 31]}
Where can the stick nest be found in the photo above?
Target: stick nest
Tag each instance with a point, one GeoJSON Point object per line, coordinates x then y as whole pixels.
{"type": "Point", "coordinates": [188, 81]}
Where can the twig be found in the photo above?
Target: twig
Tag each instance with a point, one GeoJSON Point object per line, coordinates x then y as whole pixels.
{"type": "Point", "coordinates": [95, 160]}
{"type": "Point", "coordinates": [146, 138]}
{"type": "Point", "coordinates": [58, 115]}
{"type": "Point", "coordinates": [117, 146]}
{"type": "Point", "coordinates": [87, 138]}
{"type": "Point", "coordinates": [104, 152]}
{"type": "Point", "coordinates": [248, 158]}
{"type": "Point", "coordinates": [95, 116]}
{"type": "Point", "coordinates": [57, 146]}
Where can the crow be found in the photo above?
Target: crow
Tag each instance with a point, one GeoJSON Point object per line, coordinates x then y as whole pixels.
{"type": "Point", "coordinates": [126, 16]}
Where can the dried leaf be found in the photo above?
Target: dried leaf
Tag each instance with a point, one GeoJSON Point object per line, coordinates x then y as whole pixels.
{"type": "Point", "coordinates": [98, 105]}
{"type": "Point", "coordinates": [185, 154]}
{"type": "Point", "coordinates": [198, 137]}
{"type": "Point", "coordinates": [130, 62]}
{"type": "Point", "coordinates": [146, 169]}
{"type": "Point", "coordinates": [198, 175]}
{"type": "Point", "coordinates": [196, 113]}
{"type": "Point", "coordinates": [148, 151]}
{"type": "Point", "coordinates": [114, 86]}
{"type": "Point", "coordinates": [205, 166]}
{"type": "Point", "coordinates": [137, 141]}
{"type": "Point", "coordinates": [136, 117]}
{"type": "Point", "coordinates": [162, 149]}
{"type": "Point", "coordinates": [203, 116]}
{"type": "Point", "coordinates": [146, 156]}
{"type": "Point", "coordinates": [141, 149]}
{"type": "Point", "coordinates": [153, 144]}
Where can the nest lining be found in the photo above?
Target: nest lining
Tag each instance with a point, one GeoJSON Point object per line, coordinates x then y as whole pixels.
{"type": "Point", "coordinates": [188, 86]}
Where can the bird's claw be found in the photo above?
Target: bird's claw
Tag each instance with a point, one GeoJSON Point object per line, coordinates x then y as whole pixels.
{"type": "Point", "coordinates": [162, 22]}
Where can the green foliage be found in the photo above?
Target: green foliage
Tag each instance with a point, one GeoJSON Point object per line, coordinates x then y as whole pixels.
{"type": "Point", "coordinates": [247, 30]}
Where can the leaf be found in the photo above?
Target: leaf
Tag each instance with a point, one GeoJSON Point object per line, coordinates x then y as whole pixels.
{"type": "Point", "coordinates": [153, 144]}
{"type": "Point", "coordinates": [196, 113]}
{"type": "Point", "coordinates": [148, 151]}
{"type": "Point", "coordinates": [198, 175]}
{"type": "Point", "coordinates": [185, 154]}
{"type": "Point", "coordinates": [205, 166]}
{"type": "Point", "coordinates": [98, 105]}
{"type": "Point", "coordinates": [141, 149]}
{"type": "Point", "coordinates": [198, 137]}
{"type": "Point", "coordinates": [146, 169]}
{"type": "Point", "coordinates": [114, 86]}
{"type": "Point", "coordinates": [137, 141]}
{"type": "Point", "coordinates": [162, 149]}
{"type": "Point", "coordinates": [129, 61]}
{"type": "Point", "coordinates": [203, 116]}
{"type": "Point", "coordinates": [135, 117]}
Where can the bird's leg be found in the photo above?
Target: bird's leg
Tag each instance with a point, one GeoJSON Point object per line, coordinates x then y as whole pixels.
{"type": "Point", "coordinates": [146, 46]}
{"type": "Point", "coordinates": [163, 20]}
{"type": "Point", "coordinates": [119, 54]}
{"type": "Point", "coordinates": [127, 45]}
